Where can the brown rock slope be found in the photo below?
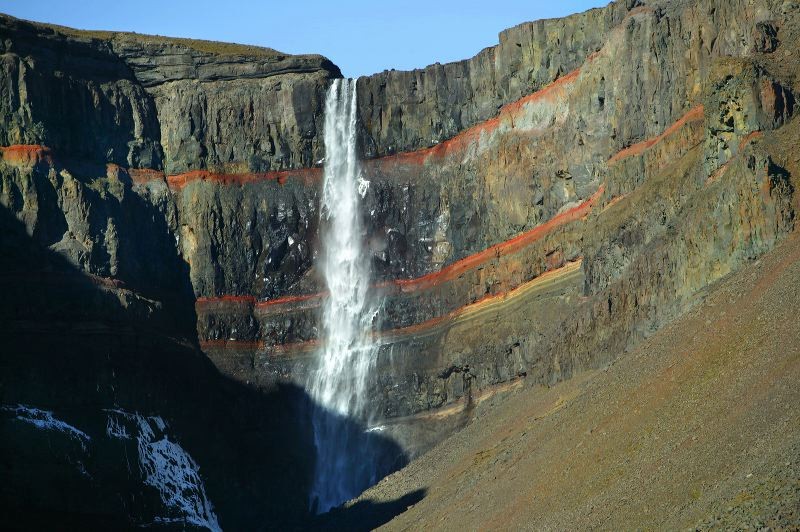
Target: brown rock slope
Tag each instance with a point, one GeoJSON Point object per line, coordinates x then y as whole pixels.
{"type": "Point", "coordinates": [699, 426]}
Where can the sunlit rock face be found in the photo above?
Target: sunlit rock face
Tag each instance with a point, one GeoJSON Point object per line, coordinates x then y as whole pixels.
{"type": "Point", "coordinates": [526, 213]}
{"type": "Point", "coordinates": [542, 182]}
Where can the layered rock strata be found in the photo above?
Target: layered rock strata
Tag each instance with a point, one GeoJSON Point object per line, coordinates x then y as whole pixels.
{"type": "Point", "coordinates": [531, 211]}
{"type": "Point", "coordinates": [483, 213]}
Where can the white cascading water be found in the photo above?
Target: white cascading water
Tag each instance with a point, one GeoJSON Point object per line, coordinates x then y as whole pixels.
{"type": "Point", "coordinates": [337, 386]}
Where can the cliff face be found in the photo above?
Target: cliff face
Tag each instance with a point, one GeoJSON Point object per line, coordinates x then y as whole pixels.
{"type": "Point", "coordinates": [404, 111]}
{"type": "Point", "coordinates": [531, 211]}
{"type": "Point", "coordinates": [575, 221]}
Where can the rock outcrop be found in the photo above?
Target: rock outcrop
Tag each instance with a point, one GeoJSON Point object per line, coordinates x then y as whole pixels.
{"type": "Point", "coordinates": [530, 212]}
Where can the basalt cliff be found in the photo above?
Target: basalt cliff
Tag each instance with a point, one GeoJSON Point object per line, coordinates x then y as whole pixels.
{"type": "Point", "coordinates": [531, 212]}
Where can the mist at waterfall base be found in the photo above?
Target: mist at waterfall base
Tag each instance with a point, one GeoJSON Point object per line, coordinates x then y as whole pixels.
{"type": "Point", "coordinates": [349, 458]}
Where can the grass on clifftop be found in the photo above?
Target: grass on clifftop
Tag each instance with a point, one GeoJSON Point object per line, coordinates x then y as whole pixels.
{"type": "Point", "coordinates": [210, 47]}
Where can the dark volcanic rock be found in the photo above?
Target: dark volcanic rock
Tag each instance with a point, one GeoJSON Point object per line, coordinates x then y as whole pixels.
{"type": "Point", "coordinates": [76, 97]}
{"type": "Point", "coordinates": [529, 212]}
{"type": "Point", "coordinates": [406, 110]}
{"type": "Point", "coordinates": [153, 102]}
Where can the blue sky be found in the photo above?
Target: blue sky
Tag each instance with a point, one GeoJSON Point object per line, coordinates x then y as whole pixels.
{"type": "Point", "coordinates": [361, 36]}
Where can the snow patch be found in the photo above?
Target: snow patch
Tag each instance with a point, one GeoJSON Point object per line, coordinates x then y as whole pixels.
{"type": "Point", "coordinates": [166, 466]}
{"type": "Point", "coordinates": [44, 420]}
{"type": "Point", "coordinates": [115, 429]}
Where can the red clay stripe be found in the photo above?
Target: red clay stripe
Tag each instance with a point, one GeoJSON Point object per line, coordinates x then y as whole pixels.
{"type": "Point", "coordinates": [498, 250]}
{"type": "Point", "coordinates": [750, 137]}
{"type": "Point", "coordinates": [289, 300]}
{"type": "Point", "coordinates": [26, 153]}
{"type": "Point", "coordinates": [178, 181]}
{"type": "Point", "coordinates": [455, 144]}
{"type": "Point", "coordinates": [471, 135]}
{"type": "Point", "coordinates": [449, 272]}
{"type": "Point", "coordinates": [393, 335]}
{"type": "Point", "coordinates": [694, 114]}
{"type": "Point", "coordinates": [453, 315]}
{"type": "Point", "coordinates": [203, 303]}
{"type": "Point", "coordinates": [29, 153]}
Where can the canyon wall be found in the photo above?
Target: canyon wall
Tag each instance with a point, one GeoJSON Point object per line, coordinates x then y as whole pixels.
{"type": "Point", "coordinates": [554, 234]}
{"type": "Point", "coordinates": [531, 211]}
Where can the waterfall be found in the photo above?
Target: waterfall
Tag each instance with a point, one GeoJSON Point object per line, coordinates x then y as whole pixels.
{"type": "Point", "coordinates": [344, 465]}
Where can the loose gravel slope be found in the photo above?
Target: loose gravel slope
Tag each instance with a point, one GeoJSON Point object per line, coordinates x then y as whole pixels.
{"type": "Point", "coordinates": [699, 427]}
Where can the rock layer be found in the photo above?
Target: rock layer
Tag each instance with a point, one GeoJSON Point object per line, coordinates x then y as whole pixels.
{"type": "Point", "coordinates": [530, 212]}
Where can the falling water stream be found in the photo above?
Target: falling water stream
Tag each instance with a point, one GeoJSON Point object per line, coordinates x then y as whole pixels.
{"type": "Point", "coordinates": [337, 386]}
